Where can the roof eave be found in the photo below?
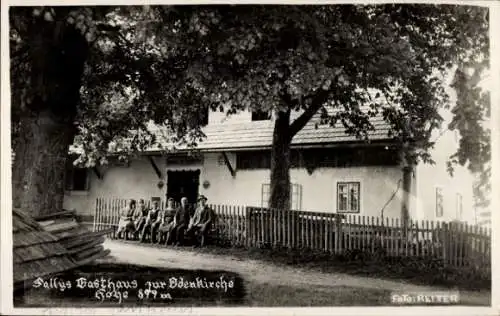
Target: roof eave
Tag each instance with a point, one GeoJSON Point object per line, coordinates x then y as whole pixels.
{"type": "Point", "coordinates": [352, 143]}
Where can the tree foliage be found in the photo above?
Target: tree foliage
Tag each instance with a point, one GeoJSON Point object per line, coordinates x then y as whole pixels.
{"type": "Point", "coordinates": [391, 59]}
{"type": "Point", "coordinates": [167, 63]}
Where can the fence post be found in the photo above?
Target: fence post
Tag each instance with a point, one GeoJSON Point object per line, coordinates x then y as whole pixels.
{"type": "Point", "coordinates": [328, 224]}
{"type": "Point", "coordinates": [249, 228]}
{"type": "Point", "coordinates": [338, 234]}
{"type": "Point", "coordinates": [94, 227]}
{"type": "Point", "coordinates": [445, 243]}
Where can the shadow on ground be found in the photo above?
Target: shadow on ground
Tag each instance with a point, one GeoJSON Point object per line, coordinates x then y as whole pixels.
{"type": "Point", "coordinates": [119, 285]}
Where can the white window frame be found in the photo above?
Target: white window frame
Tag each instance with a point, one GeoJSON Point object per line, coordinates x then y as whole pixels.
{"type": "Point", "coordinates": [436, 189]}
{"type": "Point", "coordinates": [348, 183]}
{"type": "Point", "coordinates": [295, 191]}
{"type": "Point", "coordinates": [459, 200]}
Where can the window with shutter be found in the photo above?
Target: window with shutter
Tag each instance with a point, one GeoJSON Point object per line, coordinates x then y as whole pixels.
{"type": "Point", "coordinates": [295, 196]}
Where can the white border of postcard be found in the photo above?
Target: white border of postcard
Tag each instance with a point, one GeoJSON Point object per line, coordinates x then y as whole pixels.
{"type": "Point", "coordinates": [6, 200]}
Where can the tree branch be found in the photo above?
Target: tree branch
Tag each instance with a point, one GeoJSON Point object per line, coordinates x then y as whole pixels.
{"type": "Point", "coordinates": [317, 102]}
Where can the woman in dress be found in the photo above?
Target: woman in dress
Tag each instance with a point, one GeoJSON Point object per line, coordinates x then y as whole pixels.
{"type": "Point", "coordinates": [126, 223]}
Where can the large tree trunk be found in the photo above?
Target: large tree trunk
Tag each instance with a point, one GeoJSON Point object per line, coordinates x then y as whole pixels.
{"type": "Point", "coordinates": [406, 202]}
{"type": "Point", "coordinates": [40, 159]}
{"type": "Point", "coordinates": [407, 169]}
{"type": "Point", "coordinates": [46, 129]}
{"type": "Point", "coordinates": [283, 133]}
{"type": "Point", "coordinates": [279, 197]}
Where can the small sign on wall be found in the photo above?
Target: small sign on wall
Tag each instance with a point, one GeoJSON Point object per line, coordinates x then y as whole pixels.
{"type": "Point", "coordinates": [160, 184]}
{"type": "Point", "coordinates": [206, 184]}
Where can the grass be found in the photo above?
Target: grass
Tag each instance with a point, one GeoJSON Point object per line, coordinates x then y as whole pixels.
{"type": "Point", "coordinates": [418, 271]}
{"type": "Point", "coordinates": [268, 295]}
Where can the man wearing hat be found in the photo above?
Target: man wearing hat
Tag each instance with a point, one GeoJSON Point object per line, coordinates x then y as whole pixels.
{"type": "Point", "coordinates": [201, 221]}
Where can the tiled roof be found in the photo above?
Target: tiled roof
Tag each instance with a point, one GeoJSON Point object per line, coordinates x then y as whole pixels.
{"type": "Point", "coordinates": [260, 134]}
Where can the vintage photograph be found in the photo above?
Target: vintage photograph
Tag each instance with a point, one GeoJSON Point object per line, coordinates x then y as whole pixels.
{"type": "Point", "coordinates": [250, 155]}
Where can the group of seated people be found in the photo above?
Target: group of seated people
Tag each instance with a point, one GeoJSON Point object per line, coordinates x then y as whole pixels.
{"type": "Point", "coordinates": [168, 226]}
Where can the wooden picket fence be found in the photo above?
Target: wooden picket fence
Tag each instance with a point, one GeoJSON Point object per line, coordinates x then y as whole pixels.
{"type": "Point", "coordinates": [451, 244]}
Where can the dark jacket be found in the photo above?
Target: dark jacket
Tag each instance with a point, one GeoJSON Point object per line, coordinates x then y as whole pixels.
{"type": "Point", "coordinates": [144, 211]}
{"type": "Point", "coordinates": [182, 215]}
{"type": "Point", "coordinates": [203, 216]}
{"type": "Point", "coordinates": [154, 214]}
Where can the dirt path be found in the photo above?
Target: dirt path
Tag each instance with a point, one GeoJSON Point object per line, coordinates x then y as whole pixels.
{"type": "Point", "coordinates": [261, 272]}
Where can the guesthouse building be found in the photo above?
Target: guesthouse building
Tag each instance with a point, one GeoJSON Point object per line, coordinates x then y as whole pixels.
{"type": "Point", "coordinates": [331, 172]}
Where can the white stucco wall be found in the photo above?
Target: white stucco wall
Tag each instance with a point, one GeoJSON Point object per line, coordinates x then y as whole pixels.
{"type": "Point", "coordinates": [431, 176]}
{"type": "Point", "coordinates": [138, 180]}
{"type": "Point", "coordinates": [318, 189]}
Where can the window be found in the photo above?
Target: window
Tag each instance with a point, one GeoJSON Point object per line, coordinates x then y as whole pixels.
{"type": "Point", "coordinates": [439, 202]}
{"type": "Point", "coordinates": [259, 115]}
{"type": "Point", "coordinates": [348, 197]}
{"type": "Point", "coordinates": [77, 179]}
{"type": "Point", "coordinates": [459, 206]}
{"type": "Point", "coordinates": [350, 157]}
{"type": "Point", "coordinates": [295, 196]}
{"type": "Point", "coordinates": [253, 160]}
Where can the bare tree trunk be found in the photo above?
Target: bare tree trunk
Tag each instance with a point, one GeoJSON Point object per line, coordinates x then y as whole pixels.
{"type": "Point", "coordinates": [405, 205]}
{"type": "Point", "coordinates": [407, 168]}
{"type": "Point", "coordinates": [280, 163]}
{"type": "Point", "coordinates": [283, 133]}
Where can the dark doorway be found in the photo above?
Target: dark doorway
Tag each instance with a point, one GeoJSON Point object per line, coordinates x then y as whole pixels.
{"type": "Point", "coordinates": [183, 183]}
